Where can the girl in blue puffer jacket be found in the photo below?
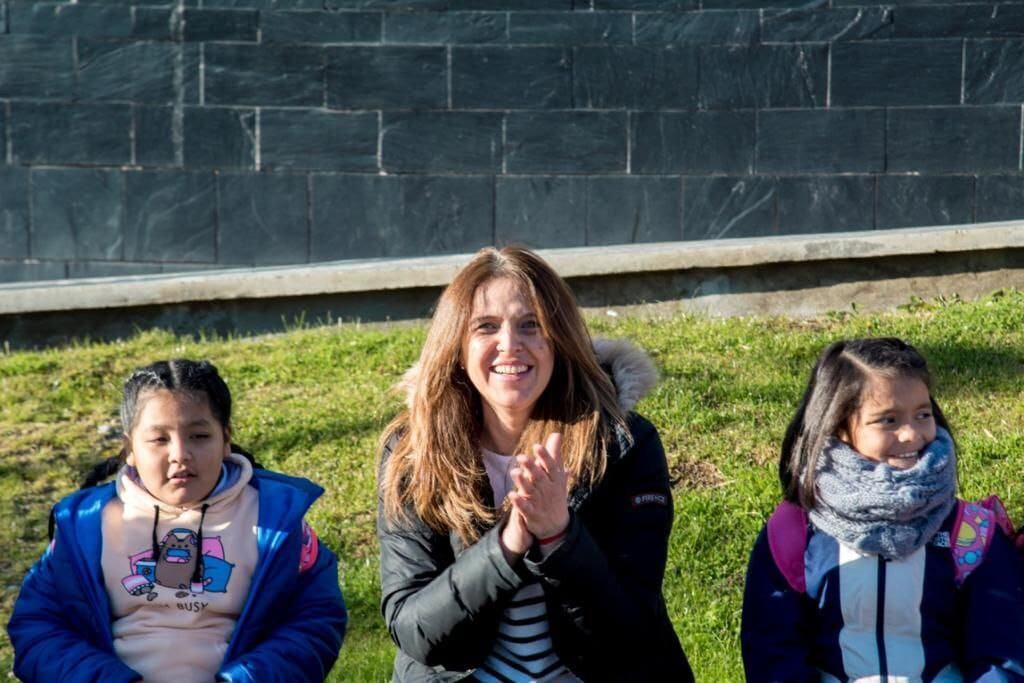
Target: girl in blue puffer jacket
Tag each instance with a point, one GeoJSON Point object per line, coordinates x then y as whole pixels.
{"type": "Point", "coordinates": [192, 565]}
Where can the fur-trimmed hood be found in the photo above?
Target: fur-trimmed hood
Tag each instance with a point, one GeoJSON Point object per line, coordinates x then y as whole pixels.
{"type": "Point", "coordinates": [631, 369]}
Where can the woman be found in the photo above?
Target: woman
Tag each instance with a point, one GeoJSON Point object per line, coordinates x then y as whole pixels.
{"type": "Point", "coordinates": [541, 566]}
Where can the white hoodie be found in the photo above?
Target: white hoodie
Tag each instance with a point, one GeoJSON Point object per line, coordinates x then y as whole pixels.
{"type": "Point", "coordinates": [167, 625]}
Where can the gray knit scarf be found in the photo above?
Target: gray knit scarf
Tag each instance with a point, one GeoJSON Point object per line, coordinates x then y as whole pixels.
{"type": "Point", "coordinates": [874, 508]}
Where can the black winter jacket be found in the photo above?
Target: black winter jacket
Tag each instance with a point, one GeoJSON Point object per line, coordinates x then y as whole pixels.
{"type": "Point", "coordinates": [443, 601]}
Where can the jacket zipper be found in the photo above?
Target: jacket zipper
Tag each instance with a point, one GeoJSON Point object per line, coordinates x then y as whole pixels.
{"type": "Point", "coordinates": [254, 587]}
{"type": "Point", "coordinates": [883, 664]}
{"type": "Point", "coordinates": [263, 562]}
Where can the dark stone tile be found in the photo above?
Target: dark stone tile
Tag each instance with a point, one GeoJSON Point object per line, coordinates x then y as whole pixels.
{"type": "Point", "coordinates": [892, 73]}
{"type": "Point", "coordinates": [824, 25]}
{"type": "Point", "coordinates": [261, 4]}
{"type": "Point", "coordinates": [137, 72]}
{"type": "Point", "coordinates": [32, 271]}
{"type": "Point", "coordinates": [86, 269]}
{"type": "Point", "coordinates": [442, 142]}
{"type": "Point", "coordinates": [436, 5]}
{"type": "Point", "coordinates": [361, 216]}
{"type": "Point", "coordinates": [519, 5]}
{"type": "Point", "coordinates": [723, 207]}
{"type": "Point", "coordinates": [515, 78]}
{"type": "Point", "coordinates": [623, 210]}
{"type": "Point", "coordinates": [541, 211]}
{"type": "Point", "coordinates": [320, 27]}
{"type": "Point", "coordinates": [992, 74]}
{"type": "Point", "coordinates": [635, 78]}
{"type": "Point", "coordinates": [912, 201]}
{"type": "Point", "coordinates": [192, 54]}
{"type": "Point", "coordinates": [999, 198]}
{"type": "Point", "coordinates": [14, 212]}
{"type": "Point", "coordinates": [158, 23]}
{"type": "Point", "coordinates": [219, 138]}
{"type": "Point", "coordinates": [263, 219]}
{"type": "Point", "coordinates": [386, 77]}
{"type": "Point", "coordinates": [961, 21]}
{"type": "Point", "coordinates": [565, 142]}
{"type": "Point", "coordinates": [897, 3]}
{"type": "Point", "coordinates": [57, 133]}
{"type": "Point", "coordinates": [714, 27]}
{"type": "Point", "coordinates": [170, 216]}
{"type": "Point", "coordinates": [751, 4]}
{"type": "Point", "coordinates": [36, 66]}
{"type": "Point", "coordinates": [222, 24]}
{"type": "Point", "coordinates": [570, 28]}
{"type": "Point", "coordinates": [693, 142]}
{"type": "Point", "coordinates": [821, 141]}
{"type": "Point", "coordinates": [155, 137]}
{"type": "Point", "coordinates": [445, 28]}
{"type": "Point", "coordinates": [64, 19]}
{"type": "Point", "coordinates": [264, 75]}
{"type": "Point", "coordinates": [816, 204]}
{"type": "Point", "coordinates": [763, 76]}
{"type": "Point", "coordinates": [135, 3]}
{"type": "Point", "coordinates": [953, 139]}
{"type": "Point", "coordinates": [664, 5]}
{"type": "Point", "coordinates": [318, 140]}
{"type": "Point", "coordinates": [76, 214]}
{"type": "Point", "coordinates": [419, 5]}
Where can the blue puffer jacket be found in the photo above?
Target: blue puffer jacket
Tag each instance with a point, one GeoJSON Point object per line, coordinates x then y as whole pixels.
{"type": "Point", "coordinates": [290, 629]}
{"type": "Point", "coordinates": [864, 618]}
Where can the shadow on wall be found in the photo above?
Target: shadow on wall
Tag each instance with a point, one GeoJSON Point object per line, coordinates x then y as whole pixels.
{"type": "Point", "coordinates": [622, 290]}
{"type": "Point", "coordinates": [238, 316]}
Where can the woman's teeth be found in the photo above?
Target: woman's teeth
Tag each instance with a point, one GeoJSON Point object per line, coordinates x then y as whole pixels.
{"type": "Point", "coordinates": [510, 369]}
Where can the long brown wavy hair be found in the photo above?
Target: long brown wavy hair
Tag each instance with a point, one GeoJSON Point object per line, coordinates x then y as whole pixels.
{"type": "Point", "coordinates": [435, 470]}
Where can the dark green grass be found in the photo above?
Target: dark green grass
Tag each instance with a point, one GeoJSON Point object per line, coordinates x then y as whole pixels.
{"type": "Point", "coordinates": [312, 402]}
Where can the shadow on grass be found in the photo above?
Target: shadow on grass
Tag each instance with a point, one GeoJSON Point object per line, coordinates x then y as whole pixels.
{"type": "Point", "coordinates": [298, 437]}
{"type": "Point", "coordinates": [959, 368]}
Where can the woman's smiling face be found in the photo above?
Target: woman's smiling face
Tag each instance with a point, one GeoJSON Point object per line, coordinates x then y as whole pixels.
{"type": "Point", "coordinates": [505, 353]}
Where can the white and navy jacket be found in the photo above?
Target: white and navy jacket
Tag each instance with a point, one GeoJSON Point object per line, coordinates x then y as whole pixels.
{"type": "Point", "coordinates": [867, 619]}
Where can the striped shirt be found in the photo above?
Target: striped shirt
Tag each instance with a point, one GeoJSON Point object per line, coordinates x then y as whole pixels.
{"type": "Point", "coordinates": [523, 650]}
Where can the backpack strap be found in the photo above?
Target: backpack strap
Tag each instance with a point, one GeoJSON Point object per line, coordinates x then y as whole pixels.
{"type": "Point", "coordinates": [787, 539]}
{"type": "Point", "coordinates": [973, 529]}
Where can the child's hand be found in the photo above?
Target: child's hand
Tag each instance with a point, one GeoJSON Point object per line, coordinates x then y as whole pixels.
{"type": "Point", "coordinates": [541, 494]}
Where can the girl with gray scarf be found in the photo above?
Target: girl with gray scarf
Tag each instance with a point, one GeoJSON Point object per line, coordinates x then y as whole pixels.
{"type": "Point", "coordinates": [870, 460]}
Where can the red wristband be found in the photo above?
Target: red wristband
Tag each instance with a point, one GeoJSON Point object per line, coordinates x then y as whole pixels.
{"type": "Point", "coordinates": [556, 537]}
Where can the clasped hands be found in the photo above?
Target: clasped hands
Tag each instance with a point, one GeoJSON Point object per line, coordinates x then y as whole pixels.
{"type": "Point", "coordinates": [540, 506]}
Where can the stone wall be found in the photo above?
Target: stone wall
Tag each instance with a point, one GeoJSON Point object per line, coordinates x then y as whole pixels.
{"type": "Point", "coordinates": [153, 137]}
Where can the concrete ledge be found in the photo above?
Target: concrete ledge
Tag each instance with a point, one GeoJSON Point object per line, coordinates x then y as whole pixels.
{"type": "Point", "coordinates": [800, 275]}
{"type": "Point", "coordinates": [382, 275]}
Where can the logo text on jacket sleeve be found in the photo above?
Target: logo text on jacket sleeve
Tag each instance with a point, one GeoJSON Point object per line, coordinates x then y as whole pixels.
{"type": "Point", "coordinates": [649, 499]}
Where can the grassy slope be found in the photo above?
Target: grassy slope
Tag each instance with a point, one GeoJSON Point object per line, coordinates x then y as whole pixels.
{"type": "Point", "coordinates": [312, 402]}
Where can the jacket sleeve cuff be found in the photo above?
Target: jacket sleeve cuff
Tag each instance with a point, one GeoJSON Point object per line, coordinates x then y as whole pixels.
{"type": "Point", "coordinates": [561, 561]}
{"type": "Point", "coordinates": [512, 575]}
